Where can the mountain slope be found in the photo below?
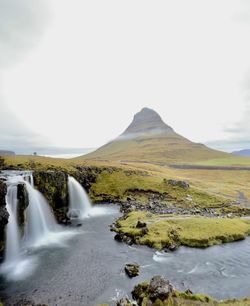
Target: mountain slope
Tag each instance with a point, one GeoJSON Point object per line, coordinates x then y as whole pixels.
{"type": "Point", "coordinates": [149, 139]}
{"type": "Point", "coordinates": [245, 152]}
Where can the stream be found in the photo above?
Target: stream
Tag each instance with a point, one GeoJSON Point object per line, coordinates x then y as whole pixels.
{"type": "Point", "coordinates": [86, 267]}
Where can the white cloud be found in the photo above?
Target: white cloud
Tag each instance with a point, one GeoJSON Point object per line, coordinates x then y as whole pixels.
{"type": "Point", "coordinates": [99, 62]}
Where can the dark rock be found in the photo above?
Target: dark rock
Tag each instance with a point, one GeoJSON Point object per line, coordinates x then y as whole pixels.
{"type": "Point", "coordinates": [132, 269]}
{"type": "Point", "coordinates": [188, 291]}
{"type": "Point", "coordinates": [4, 215]}
{"type": "Point", "coordinates": [144, 231]}
{"type": "Point", "coordinates": [124, 302]}
{"type": "Point", "coordinates": [119, 237]}
{"type": "Point", "coordinates": [23, 202]}
{"type": "Point", "coordinates": [182, 184]}
{"type": "Point", "coordinates": [141, 224]}
{"type": "Point", "coordinates": [160, 287]}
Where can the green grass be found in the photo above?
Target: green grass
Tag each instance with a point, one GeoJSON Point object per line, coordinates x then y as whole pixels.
{"type": "Point", "coordinates": [140, 185]}
{"type": "Point", "coordinates": [143, 297]}
{"type": "Point", "coordinates": [164, 230]}
{"type": "Point", "coordinates": [230, 160]}
{"type": "Point", "coordinates": [158, 148]}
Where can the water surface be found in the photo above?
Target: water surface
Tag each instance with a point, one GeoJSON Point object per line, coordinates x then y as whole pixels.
{"type": "Point", "coordinates": [87, 269]}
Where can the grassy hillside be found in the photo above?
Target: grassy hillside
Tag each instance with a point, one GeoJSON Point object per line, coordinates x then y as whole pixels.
{"type": "Point", "coordinates": [158, 149]}
{"type": "Point", "coordinates": [149, 139]}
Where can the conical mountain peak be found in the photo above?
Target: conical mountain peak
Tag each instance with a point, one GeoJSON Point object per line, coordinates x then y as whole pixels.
{"type": "Point", "coordinates": [147, 121]}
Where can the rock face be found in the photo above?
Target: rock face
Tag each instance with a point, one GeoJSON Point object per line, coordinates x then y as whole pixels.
{"type": "Point", "coordinates": [132, 269]}
{"type": "Point", "coordinates": [53, 185]}
{"type": "Point", "coordinates": [159, 289]}
{"type": "Point", "coordinates": [4, 215]}
{"type": "Point", "coordinates": [182, 184]}
{"type": "Point", "coordinates": [145, 121]}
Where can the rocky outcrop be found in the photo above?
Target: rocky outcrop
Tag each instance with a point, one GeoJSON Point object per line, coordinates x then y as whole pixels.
{"type": "Point", "coordinates": [132, 269]}
{"type": "Point", "coordinates": [53, 185]}
{"type": "Point", "coordinates": [4, 215]}
{"type": "Point", "coordinates": [182, 184]}
{"type": "Point", "coordinates": [87, 176]}
{"type": "Point", "coordinates": [23, 202]}
{"type": "Point", "coordinates": [158, 289]}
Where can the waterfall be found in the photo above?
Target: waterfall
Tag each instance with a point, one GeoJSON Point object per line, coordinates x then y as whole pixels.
{"type": "Point", "coordinates": [12, 252]}
{"type": "Point", "coordinates": [40, 220]}
{"type": "Point", "coordinates": [79, 203]}
{"type": "Point", "coordinates": [40, 228]}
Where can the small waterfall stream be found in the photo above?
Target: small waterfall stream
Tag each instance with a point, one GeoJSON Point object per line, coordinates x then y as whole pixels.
{"type": "Point", "coordinates": [79, 203]}
{"type": "Point", "coordinates": [40, 220]}
{"type": "Point", "coordinates": [12, 252]}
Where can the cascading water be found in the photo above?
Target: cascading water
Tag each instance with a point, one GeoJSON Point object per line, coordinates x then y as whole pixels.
{"type": "Point", "coordinates": [15, 265]}
{"type": "Point", "coordinates": [12, 252]}
{"type": "Point", "coordinates": [40, 228]}
{"type": "Point", "coordinates": [40, 220]}
{"type": "Point", "coordinates": [79, 203]}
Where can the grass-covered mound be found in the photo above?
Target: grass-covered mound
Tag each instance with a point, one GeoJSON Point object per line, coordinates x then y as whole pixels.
{"type": "Point", "coordinates": [164, 231]}
{"type": "Point", "coordinates": [146, 293]}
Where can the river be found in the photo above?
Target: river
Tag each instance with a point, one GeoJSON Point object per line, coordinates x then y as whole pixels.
{"type": "Point", "coordinates": [88, 267]}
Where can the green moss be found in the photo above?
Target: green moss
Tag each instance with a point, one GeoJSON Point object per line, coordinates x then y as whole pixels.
{"type": "Point", "coordinates": [140, 186]}
{"type": "Point", "coordinates": [143, 297]}
{"type": "Point", "coordinates": [165, 231]}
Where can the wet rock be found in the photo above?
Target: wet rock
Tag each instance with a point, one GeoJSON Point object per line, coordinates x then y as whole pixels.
{"type": "Point", "coordinates": [119, 237]}
{"type": "Point", "coordinates": [132, 269]}
{"type": "Point", "coordinates": [160, 287]}
{"type": "Point", "coordinates": [4, 215]}
{"type": "Point", "coordinates": [23, 202]}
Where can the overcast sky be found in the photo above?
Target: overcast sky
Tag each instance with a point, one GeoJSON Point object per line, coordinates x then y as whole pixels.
{"type": "Point", "coordinates": [73, 72]}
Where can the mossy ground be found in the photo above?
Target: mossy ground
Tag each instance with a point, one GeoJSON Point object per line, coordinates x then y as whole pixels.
{"type": "Point", "coordinates": [178, 298]}
{"type": "Point", "coordinates": [165, 231]}
{"type": "Point", "coordinates": [121, 184]}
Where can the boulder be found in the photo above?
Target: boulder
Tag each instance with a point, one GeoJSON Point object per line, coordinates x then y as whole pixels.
{"type": "Point", "coordinates": [124, 302]}
{"type": "Point", "coordinates": [132, 269]}
{"type": "Point", "coordinates": [182, 184]}
{"type": "Point", "coordinates": [141, 224]}
{"type": "Point", "coordinates": [160, 287]}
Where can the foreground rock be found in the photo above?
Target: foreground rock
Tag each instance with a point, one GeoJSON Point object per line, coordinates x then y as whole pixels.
{"type": "Point", "coordinates": [160, 292]}
{"type": "Point", "coordinates": [132, 269]}
{"type": "Point", "coordinates": [160, 287]}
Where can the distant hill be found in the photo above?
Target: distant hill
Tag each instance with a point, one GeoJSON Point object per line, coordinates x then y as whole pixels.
{"type": "Point", "coordinates": [4, 152]}
{"type": "Point", "coordinates": [245, 152]}
{"type": "Point", "coordinates": [149, 139]}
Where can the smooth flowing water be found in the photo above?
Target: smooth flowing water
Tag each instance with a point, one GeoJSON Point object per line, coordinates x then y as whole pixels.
{"type": "Point", "coordinates": [40, 220]}
{"type": "Point", "coordinates": [12, 231]}
{"type": "Point", "coordinates": [79, 203]}
{"type": "Point", "coordinates": [40, 227]}
{"type": "Point", "coordinates": [88, 269]}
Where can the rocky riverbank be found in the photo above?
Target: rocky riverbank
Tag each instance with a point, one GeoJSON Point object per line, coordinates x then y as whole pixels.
{"type": "Point", "coordinates": [160, 292]}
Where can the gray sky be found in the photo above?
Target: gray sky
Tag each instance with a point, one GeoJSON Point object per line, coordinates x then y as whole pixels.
{"type": "Point", "coordinates": [73, 72]}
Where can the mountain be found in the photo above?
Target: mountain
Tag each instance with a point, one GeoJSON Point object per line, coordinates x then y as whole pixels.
{"type": "Point", "coordinates": [4, 152]}
{"type": "Point", "coordinates": [149, 139]}
{"type": "Point", "coordinates": [245, 152]}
